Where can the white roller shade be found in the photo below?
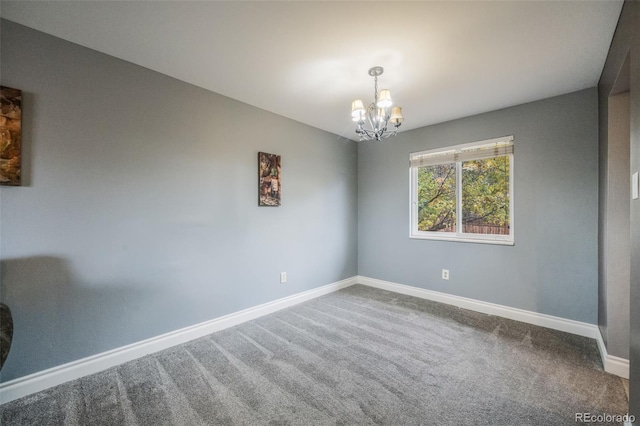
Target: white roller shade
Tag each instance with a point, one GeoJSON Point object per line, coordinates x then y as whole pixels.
{"type": "Point", "coordinates": [475, 151]}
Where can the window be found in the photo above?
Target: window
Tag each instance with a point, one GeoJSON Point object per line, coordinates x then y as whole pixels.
{"type": "Point", "coordinates": [464, 192]}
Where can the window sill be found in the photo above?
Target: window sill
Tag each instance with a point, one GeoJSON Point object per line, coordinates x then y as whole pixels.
{"type": "Point", "coordinates": [456, 239]}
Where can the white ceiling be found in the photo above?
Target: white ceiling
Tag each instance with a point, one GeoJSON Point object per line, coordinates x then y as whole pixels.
{"type": "Point", "coordinates": [309, 60]}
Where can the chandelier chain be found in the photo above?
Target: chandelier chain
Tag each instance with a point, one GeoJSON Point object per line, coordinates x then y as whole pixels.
{"type": "Point", "coordinates": [375, 90]}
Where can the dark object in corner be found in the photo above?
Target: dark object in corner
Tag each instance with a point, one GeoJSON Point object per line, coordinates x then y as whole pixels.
{"type": "Point", "coordinates": [6, 332]}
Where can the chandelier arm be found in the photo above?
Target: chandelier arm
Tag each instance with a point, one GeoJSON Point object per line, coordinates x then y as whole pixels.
{"type": "Point", "coordinates": [364, 131]}
{"type": "Point", "coordinates": [389, 134]}
{"type": "Point", "coordinates": [366, 136]}
{"type": "Point", "coordinates": [371, 117]}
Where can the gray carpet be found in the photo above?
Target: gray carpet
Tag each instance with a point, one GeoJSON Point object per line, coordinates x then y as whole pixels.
{"type": "Point", "coordinates": [357, 356]}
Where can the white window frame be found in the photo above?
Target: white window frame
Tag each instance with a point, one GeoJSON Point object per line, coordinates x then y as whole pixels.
{"type": "Point", "coordinates": [448, 154]}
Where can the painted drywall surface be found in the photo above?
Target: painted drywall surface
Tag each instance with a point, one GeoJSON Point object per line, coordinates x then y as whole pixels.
{"type": "Point", "coordinates": [626, 42]}
{"type": "Point", "coordinates": [139, 213]}
{"type": "Point", "coordinates": [603, 179]}
{"type": "Point", "coordinates": [617, 234]}
{"type": "Point", "coordinates": [634, 301]}
{"type": "Point", "coordinates": [552, 268]}
{"type": "Point", "coordinates": [613, 226]}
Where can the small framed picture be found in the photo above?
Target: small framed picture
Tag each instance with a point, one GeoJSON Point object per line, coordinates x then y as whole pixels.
{"type": "Point", "coordinates": [10, 135]}
{"type": "Point", "coordinates": [269, 179]}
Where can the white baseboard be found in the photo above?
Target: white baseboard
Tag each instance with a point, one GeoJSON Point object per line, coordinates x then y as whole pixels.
{"type": "Point", "coordinates": [42, 380]}
{"type": "Point", "coordinates": [45, 379]}
{"type": "Point", "coordinates": [612, 364]}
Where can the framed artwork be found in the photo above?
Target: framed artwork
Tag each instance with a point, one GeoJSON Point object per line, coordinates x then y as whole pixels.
{"type": "Point", "coordinates": [10, 135]}
{"type": "Point", "coordinates": [269, 179]}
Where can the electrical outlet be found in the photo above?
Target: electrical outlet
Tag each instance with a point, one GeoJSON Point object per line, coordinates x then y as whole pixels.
{"type": "Point", "coordinates": [283, 277]}
{"type": "Point", "coordinates": [445, 274]}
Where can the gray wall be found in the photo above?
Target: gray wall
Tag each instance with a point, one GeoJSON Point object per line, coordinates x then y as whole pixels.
{"type": "Point", "coordinates": [626, 42]}
{"type": "Point", "coordinates": [613, 234]}
{"type": "Point", "coordinates": [552, 268]}
{"type": "Point", "coordinates": [139, 211]}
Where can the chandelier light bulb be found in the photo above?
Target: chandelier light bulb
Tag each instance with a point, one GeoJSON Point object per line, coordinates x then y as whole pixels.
{"type": "Point", "coordinates": [357, 108]}
{"type": "Point", "coordinates": [396, 115]}
{"type": "Point", "coordinates": [384, 99]}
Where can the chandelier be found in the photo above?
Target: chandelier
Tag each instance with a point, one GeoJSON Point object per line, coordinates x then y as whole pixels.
{"type": "Point", "coordinates": [373, 123]}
